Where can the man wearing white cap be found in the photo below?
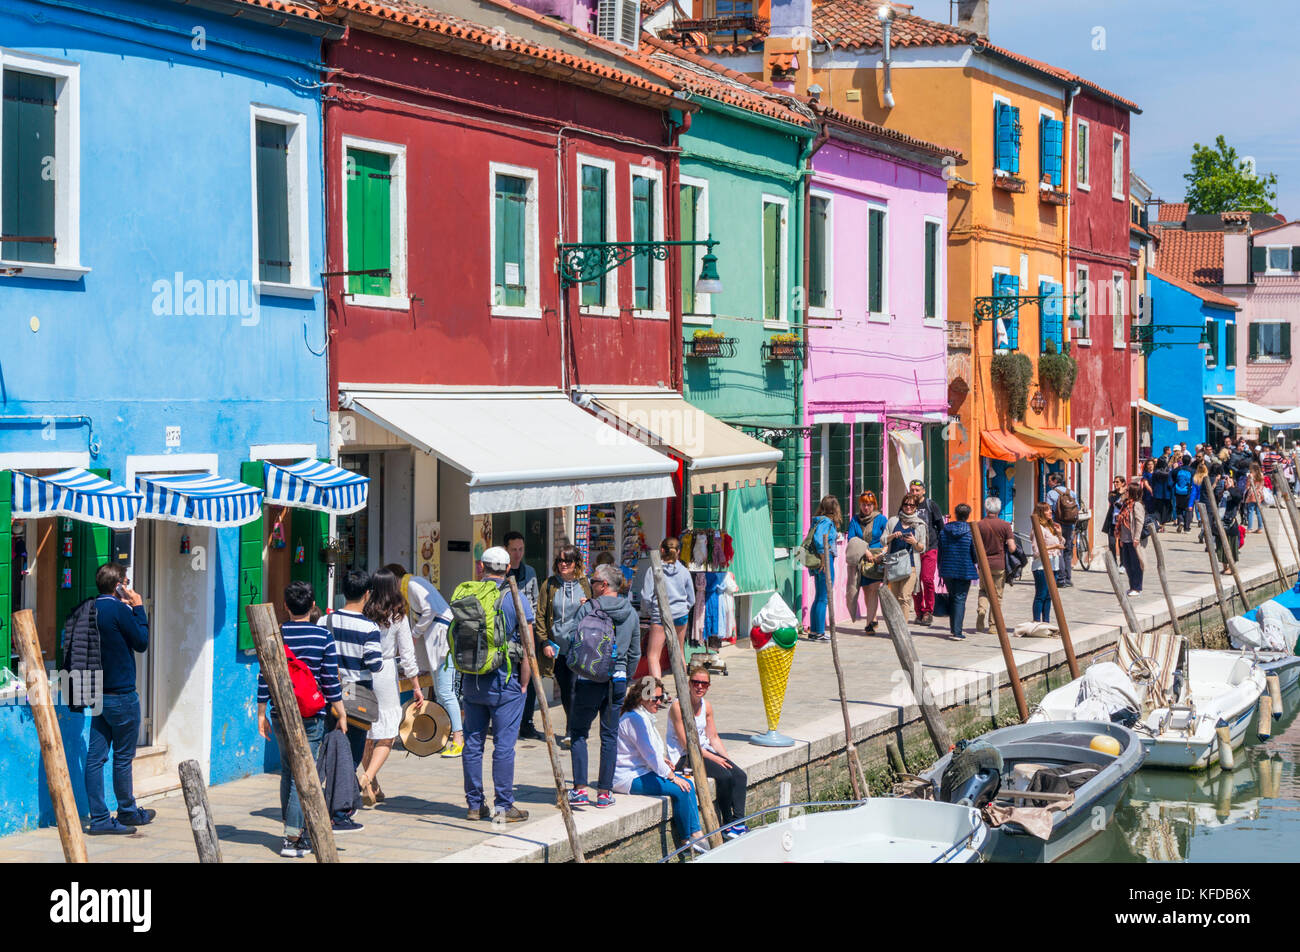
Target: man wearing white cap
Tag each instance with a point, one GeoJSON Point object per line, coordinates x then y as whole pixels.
{"type": "Point", "coordinates": [496, 699]}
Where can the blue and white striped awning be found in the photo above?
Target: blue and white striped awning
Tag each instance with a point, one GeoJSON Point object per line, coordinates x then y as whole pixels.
{"type": "Point", "coordinates": [198, 499]}
{"type": "Point", "coordinates": [312, 484]}
{"type": "Point", "coordinates": [77, 494]}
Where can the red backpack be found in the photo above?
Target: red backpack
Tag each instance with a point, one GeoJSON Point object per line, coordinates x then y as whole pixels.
{"type": "Point", "coordinates": [310, 701]}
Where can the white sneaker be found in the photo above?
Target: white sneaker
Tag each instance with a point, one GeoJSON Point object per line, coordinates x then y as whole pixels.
{"type": "Point", "coordinates": [1133, 593]}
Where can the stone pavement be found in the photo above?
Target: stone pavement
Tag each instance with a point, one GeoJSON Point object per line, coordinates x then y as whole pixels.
{"type": "Point", "coordinates": [424, 817]}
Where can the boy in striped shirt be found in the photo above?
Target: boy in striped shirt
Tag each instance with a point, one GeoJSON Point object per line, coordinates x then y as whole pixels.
{"type": "Point", "coordinates": [314, 647]}
{"type": "Point", "coordinates": [360, 658]}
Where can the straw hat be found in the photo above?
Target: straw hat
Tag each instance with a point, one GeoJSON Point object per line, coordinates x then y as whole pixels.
{"type": "Point", "coordinates": [425, 728]}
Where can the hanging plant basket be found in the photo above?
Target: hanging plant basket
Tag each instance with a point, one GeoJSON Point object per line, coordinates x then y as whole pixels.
{"type": "Point", "coordinates": [1058, 372]}
{"type": "Point", "coordinates": [1013, 373]}
{"type": "Point", "coordinates": [783, 347]}
{"type": "Point", "coordinates": [332, 551]}
{"type": "Point", "coordinates": [711, 344]}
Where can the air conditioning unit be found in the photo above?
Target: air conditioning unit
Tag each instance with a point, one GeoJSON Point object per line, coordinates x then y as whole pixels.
{"type": "Point", "coordinates": [619, 21]}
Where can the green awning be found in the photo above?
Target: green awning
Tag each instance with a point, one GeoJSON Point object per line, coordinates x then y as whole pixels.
{"type": "Point", "coordinates": [749, 523]}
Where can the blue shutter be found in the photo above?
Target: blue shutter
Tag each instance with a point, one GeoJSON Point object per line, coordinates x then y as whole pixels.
{"type": "Point", "coordinates": [1002, 137]}
{"type": "Point", "coordinates": [1015, 140]}
{"type": "Point", "coordinates": [1056, 139]}
{"type": "Point", "coordinates": [1008, 285]}
{"type": "Point", "coordinates": [1051, 316]}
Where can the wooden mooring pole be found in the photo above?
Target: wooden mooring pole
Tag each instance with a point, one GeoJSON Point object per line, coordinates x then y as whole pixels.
{"type": "Point", "coordinates": [1056, 599]}
{"type": "Point", "coordinates": [896, 622]}
{"type": "Point", "coordinates": [995, 606]}
{"type": "Point", "coordinates": [1164, 582]}
{"type": "Point", "coordinates": [1112, 570]}
{"type": "Point", "coordinates": [1213, 507]}
{"type": "Point", "coordinates": [857, 777]}
{"type": "Point", "coordinates": [202, 823]}
{"type": "Point", "coordinates": [1288, 500]}
{"type": "Point", "coordinates": [1214, 563]}
{"type": "Point", "coordinates": [1272, 549]}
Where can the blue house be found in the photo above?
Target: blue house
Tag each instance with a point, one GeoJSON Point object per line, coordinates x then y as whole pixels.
{"type": "Point", "coordinates": [161, 250]}
{"type": "Point", "coordinates": [1191, 360]}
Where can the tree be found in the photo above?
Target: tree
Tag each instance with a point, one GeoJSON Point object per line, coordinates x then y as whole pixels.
{"type": "Point", "coordinates": [1220, 181]}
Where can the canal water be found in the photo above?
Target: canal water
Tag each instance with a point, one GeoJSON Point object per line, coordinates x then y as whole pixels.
{"type": "Point", "coordinates": [1248, 814]}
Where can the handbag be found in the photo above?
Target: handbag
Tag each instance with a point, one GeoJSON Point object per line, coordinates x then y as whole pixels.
{"type": "Point", "coordinates": [874, 572]}
{"type": "Point", "coordinates": [360, 704]}
{"type": "Point", "coordinates": [898, 565]}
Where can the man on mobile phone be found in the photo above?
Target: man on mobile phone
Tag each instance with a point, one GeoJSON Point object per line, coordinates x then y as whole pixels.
{"type": "Point", "coordinates": [123, 632]}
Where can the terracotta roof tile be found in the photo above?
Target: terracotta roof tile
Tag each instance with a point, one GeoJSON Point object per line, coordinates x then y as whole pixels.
{"type": "Point", "coordinates": [866, 127]}
{"type": "Point", "coordinates": [1234, 217]}
{"type": "Point", "coordinates": [279, 6]}
{"type": "Point", "coordinates": [1206, 295]}
{"type": "Point", "coordinates": [1192, 256]}
{"type": "Point", "coordinates": [1173, 211]}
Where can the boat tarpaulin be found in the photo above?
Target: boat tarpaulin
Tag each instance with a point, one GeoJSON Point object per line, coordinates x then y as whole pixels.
{"type": "Point", "coordinates": [314, 484]}
{"type": "Point", "coordinates": [77, 494]}
{"type": "Point", "coordinates": [521, 449]}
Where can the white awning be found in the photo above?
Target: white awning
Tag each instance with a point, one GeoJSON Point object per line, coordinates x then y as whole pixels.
{"type": "Point", "coordinates": [77, 494]}
{"type": "Point", "coordinates": [312, 484]}
{"type": "Point", "coordinates": [522, 449]}
{"type": "Point", "coordinates": [716, 453]}
{"type": "Point", "coordinates": [1250, 416]}
{"type": "Point", "coordinates": [911, 454]}
{"type": "Point", "coordinates": [1158, 411]}
{"type": "Point", "coordinates": [198, 499]}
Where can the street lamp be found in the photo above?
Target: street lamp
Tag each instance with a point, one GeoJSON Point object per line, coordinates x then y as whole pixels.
{"type": "Point", "coordinates": [1204, 342]}
{"type": "Point", "coordinates": [709, 282]}
{"type": "Point", "coordinates": [583, 261]}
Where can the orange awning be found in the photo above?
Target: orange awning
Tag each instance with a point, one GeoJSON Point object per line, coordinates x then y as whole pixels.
{"type": "Point", "coordinates": [1006, 446]}
{"type": "Point", "coordinates": [1055, 445]}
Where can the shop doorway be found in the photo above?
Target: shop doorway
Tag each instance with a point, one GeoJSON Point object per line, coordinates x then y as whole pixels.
{"type": "Point", "coordinates": [1100, 478]}
{"type": "Point", "coordinates": [35, 581]}
{"type": "Point", "coordinates": [535, 525]}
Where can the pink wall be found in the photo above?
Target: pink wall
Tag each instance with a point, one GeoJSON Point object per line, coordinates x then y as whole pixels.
{"type": "Point", "coordinates": [1272, 298]}
{"type": "Point", "coordinates": [863, 369]}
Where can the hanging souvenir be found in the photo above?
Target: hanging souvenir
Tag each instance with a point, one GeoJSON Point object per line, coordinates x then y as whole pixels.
{"type": "Point", "coordinates": [185, 544]}
{"type": "Point", "coordinates": [65, 580]}
{"type": "Point", "coordinates": [299, 555]}
{"type": "Point", "coordinates": [277, 535]}
{"type": "Point", "coordinates": [67, 544]}
{"type": "Point", "coordinates": [20, 555]}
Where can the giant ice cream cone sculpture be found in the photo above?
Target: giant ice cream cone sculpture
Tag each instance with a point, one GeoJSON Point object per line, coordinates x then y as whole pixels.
{"type": "Point", "coordinates": [775, 658]}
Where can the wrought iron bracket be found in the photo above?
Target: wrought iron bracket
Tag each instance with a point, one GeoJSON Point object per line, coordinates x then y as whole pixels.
{"type": "Point", "coordinates": [583, 261]}
{"type": "Point", "coordinates": [994, 306]}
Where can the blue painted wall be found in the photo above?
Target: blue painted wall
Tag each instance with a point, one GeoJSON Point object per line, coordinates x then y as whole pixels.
{"type": "Point", "coordinates": [165, 189]}
{"type": "Point", "coordinates": [1177, 377]}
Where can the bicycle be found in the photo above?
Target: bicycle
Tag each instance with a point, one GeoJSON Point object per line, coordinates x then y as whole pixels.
{"type": "Point", "coordinates": [1082, 551]}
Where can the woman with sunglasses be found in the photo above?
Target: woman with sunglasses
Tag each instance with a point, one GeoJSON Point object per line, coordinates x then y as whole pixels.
{"type": "Point", "coordinates": [558, 601]}
{"type": "Point", "coordinates": [731, 780]}
{"type": "Point", "coordinates": [906, 533]}
{"type": "Point", "coordinates": [681, 599]}
{"type": "Point", "coordinates": [643, 766]}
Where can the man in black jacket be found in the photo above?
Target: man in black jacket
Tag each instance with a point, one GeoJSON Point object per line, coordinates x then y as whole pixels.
{"type": "Point", "coordinates": [123, 632]}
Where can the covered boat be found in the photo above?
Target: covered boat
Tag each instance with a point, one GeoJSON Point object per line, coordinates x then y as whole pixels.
{"type": "Point", "coordinates": [1270, 632]}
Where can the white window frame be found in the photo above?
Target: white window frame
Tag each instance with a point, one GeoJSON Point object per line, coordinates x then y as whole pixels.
{"type": "Point", "coordinates": [940, 269]}
{"type": "Point", "coordinates": [611, 307]}
{"type": "Point", "coordinates": [1268, 259]}
{"type": "Point", "coordinates": [1117, 168]}
{"type": "Point", "coordinates": [1083, 474]}
{"type": "Point", "coordinates": [828, 311]}
{"type": "Point", "coordinates": [998, 98]}
{"type": "Point", "coordinates": [67, 168]}
{"type": "Point", "coordinates": [1085, 341]}
{"type": "Point", "coordinates": [703, 315]}
{"type": "Point", "coordinates": [397, 298]}
{"type": "Point", "coordinates": [300, 284]}
{"type": "Point", "coordinates": [532, 306]}
{"type": "Point", "coordinates": [1118, 310]}
{"type": "Point", "coordinates": [884, 315]}
{"type": "Point", "coordinates": [1263, 358]}
{"type": "Point", "coordinates": [658, 310]}
{"type": "Point", "coordinates": [1119, 467]}
{"type": "Point", "coordinates": [782, 321]}
{"type": "Point", "coordinates": [993, 324]}
{"type": "Point", "coordinates": [1082, 143]}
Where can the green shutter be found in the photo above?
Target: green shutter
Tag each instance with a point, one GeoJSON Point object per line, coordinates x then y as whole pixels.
{"type": "Point", "coordinates": [1286, 340]}
{"type": "Point", "coordinates": [839, 465]}
{"type": "Point", "coordinates": [6, 565]}
{"type": "Point", "coordinates": [814, 469]}
{"type": "Point", "coordinates": [311, 530]}
{"type": "Point", "coordinates": [1252, 343]}
{"type": "Point", "coordinates": [866, 459]}
{"type": "Point", "coordinates": [250, 556]}
{"type": "Point", "coordinates": [876, 261]}
{"type": "Point", "coordinates": [783, 495]}
{"type": "Point", "coordinates": [818, 214]}
{"type": "Point", "coordinates": [370, 214]}
{"type": "Point", "coordinates": [705, 510]}
{"type": "Point", "coordinates": [273, 254]}
{"type": "Point", "coordinates": [936, 464]}
{"type": "Point", "coordinates": [26, 190]}
{"type": "Point", "coordinates": [643, 271]}
{"type": "Point", "coordinates": [1295, 257]}
{"type": "Point", "coordinates": [771, 261]}
{"type": "Point", "coordinates": [688, 198]}
{"type": "Point", "coordinates": [593, 227]}
{"type": "Point", "coordinates": [1258, 259]}
{"type": "Point", "coordinates": [511, 201]}
{"type": "Point", "coordinates": [1230, 344]}
{"type": "Point", "coordinates": [1212, 331]}
{"type": "Point", "coordinates": [931, 269]}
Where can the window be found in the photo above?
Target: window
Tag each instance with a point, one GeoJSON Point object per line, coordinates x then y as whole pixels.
{"type": "Point", "coordinates": [1117, 167]}
{"type": "Point", "coordinates": [1006, 327]}
{"type": "Point", "coordinates": [516, 285]}
{"type": "Point", "coordinates": [280, 249]}
{"type": "Point", "coordinates": [648, 273]}
{"type": "Point", "coordinates": [1006, 119]}
{"type": "Point", "coordinates": [819, 252]}
{"type": "Point", "coordinates": [1268, 343]}
{"type": "Point", "coordinates": [1050, 135]}
{"type": "Point", "coordinates": [1050, 323]}
{"type": "Point", "coordinates": [877, 265]}
{"type": "Point", "coordinates": [774, 251]}
{"type": "Point", "coordinates": [374, 209]}
{"type": "Point", "coordinates": [1212, 331]}
{"type": "Point", "coordinates": [932, 269]}
{"type": "Point", "coordinates": [1082, 304]}
{"type": "Point", "coordinates": [1118, 310]}
{"type": "Point", "coordinates": [596, 224]}
{"type": "Point", "coordinates": [1083, 177]}
{"type": "Point", "coordinates": [694, 200]}
{"type": "Point", "coordinates": [40, 166]}
{"type": "Point", "coordinates": [1230, 346]}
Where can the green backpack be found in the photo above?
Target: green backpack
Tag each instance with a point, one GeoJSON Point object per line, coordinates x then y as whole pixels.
{"type": "Point", "coordinates": [810, 551]}
{"type": "Point", "coordinates": [479, 641]}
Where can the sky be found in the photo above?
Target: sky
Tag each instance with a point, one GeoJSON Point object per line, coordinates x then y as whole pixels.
{"type": "Point", "coordinates": [1197, 69]}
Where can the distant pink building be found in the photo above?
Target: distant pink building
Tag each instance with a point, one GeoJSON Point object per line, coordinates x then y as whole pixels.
{"type": "Point", "coordinates": [1267, 286]}
{"type": "Point", "coordinates": [876, 383]}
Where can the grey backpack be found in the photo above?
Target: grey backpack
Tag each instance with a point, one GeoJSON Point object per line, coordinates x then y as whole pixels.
{"type": "Point", "coordinates": [592, 654]}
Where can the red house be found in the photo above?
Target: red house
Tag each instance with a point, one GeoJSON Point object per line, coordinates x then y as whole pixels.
{"type": "Point", "coordinates": [1099, 265]}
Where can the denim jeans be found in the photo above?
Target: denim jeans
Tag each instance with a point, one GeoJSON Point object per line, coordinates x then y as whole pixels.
{"type": "Point", "coordinates": [116, 726]}
{"type": "Point", "coordinates": [1252, 515]}
{"type": "Point", "coordinates": [590, 700]}
{"type": "Point", "coordinates": [686, 815]}
{"type": "Point", "coordinates": [1042, 597]}
{"type": "Point", "coordinates": [444, 692]}
{"type": "Point", "coordinates": [958, 589]}
{"type": "Point", "coordinates": [817, 623]}
{"type": "Point", "coordinates": [500, 707]}
{"type": "Point", "coordinates": [290, 804]}
{"type": "Point", "coordinates": [1066, 572]}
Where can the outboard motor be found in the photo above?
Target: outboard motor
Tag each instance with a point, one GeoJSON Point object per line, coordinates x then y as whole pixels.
{"type": "Point", "coordinates": [973, 776]}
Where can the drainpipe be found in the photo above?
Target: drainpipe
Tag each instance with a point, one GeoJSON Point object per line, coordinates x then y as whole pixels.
{"type": "Point", "coordinates": [677, 263]}
{"type": "Point", "coordinates": [886, 17]}
{"type": "Point", "coordinates": [1067, 177]}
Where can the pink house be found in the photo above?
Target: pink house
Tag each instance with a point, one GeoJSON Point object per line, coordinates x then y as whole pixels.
{"type": "Point", "coordinates": [876, 384]}
{"type": "Point", "coordinates": [1267, 285]}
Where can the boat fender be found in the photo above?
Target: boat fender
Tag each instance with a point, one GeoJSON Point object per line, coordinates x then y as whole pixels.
{"type": "Point", "coordinates": [1275, 692]}
{"type": "Point", "coordinates": [1265, 717]}
{"type": "Point", "coordinates": [1224, 732]}
{"type": "Point", "coordinates": [1105, 744]}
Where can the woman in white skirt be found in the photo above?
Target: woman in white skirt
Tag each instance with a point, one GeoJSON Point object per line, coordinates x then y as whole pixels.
{"type": "Point", "coordinates": [387, 609]}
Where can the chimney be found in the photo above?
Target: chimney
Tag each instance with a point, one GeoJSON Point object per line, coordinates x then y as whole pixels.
{"type": "Point", "coordinates": [973, 15]}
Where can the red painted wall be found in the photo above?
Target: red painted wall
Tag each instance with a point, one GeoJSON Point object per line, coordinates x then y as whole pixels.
{"type": "Point", "coordinates": [458, 116]}
{"type": "Point", "coordinates": [1099, 239]}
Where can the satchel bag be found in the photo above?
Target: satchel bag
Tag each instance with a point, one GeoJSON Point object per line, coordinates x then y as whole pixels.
{"type": "Point", "coordinates": [360, 704]}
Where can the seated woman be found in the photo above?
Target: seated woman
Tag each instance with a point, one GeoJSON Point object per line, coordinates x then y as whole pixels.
{"type": "Point", "coordinates": [643, 767]}
{"type": "Point", "coordinates": [731, 780]}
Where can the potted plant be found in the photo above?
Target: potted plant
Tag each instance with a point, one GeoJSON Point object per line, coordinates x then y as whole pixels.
{"type": "Point", "coordinates": [1013, 373]}
{"type": "Point", "coordinates": [332, 550]}
{"type": "Point", "coordinates": [706, 343]}
{"type": "Point", "coordinates": [1058, 371]}
{"type": "Point", "coordinates": [784, 346]}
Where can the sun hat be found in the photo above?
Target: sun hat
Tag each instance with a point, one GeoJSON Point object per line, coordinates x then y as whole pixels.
{"type": "Point", "coordinates": [425, 727]}
{"type": "Point", "coordinates": [496, 558]}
